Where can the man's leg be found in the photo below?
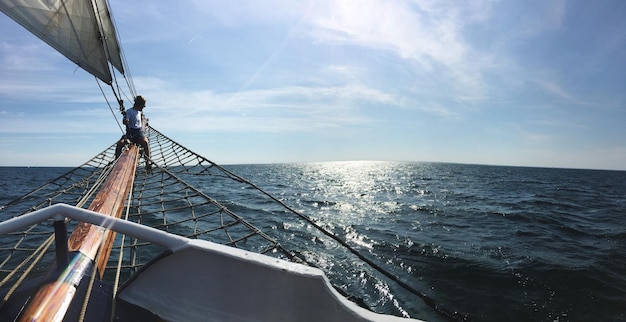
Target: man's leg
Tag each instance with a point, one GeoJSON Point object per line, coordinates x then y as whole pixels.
{"type": "Point", "coordinates": [146, 150]}
{"type": "Point", "coordinates": [146, 147]}
{"type": "Point", "coordinates": [119, 146]}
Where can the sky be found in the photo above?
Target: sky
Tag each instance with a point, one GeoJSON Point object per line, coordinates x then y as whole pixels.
{"type": "Point", "coordinates": [524, 83]}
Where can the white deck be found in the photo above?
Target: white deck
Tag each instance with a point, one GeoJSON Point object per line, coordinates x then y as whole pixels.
{"type": "Point", "coordinates": [211, 282]}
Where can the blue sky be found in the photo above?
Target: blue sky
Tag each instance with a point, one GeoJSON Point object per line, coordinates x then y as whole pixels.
{"type": "Point", "coordinates": [532, 83]}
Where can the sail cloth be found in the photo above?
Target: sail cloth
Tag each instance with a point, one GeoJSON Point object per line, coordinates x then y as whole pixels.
{"type": "Point", "coordinates": [75, 28]}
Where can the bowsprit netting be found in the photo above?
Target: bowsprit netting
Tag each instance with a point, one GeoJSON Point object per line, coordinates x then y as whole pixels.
{"type": "Point", "coordinates": [165, 199]}
{"type": "Point", "coordinates": [161, 199]}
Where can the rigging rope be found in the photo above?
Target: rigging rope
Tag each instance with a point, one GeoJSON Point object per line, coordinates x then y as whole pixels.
{"type": "Point", "coordinates": [113, 71]}
{"type": "Point", "coordinates": [83, 309]}
{"type": "Point", "coordinates": [109, 105]}
{"type": "Point", "coordinates": [127, 74]}
{"type": "Point", "coordinates": [43, 248]}
{"type": "Point", "coordinates": [118, 268]}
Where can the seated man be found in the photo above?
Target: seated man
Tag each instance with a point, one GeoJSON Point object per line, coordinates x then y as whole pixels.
{"type": "Point", "coordinates": [136, 124]}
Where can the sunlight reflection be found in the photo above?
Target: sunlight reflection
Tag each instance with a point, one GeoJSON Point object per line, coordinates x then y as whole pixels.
{"type": "Point", "coordinates": [355, 194]}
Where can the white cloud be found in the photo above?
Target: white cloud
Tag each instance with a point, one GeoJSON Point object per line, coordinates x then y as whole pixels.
{"type": "Point", "coordinates": [29, 56]}
{"type": "Point", "coordinates": [290, 108]}
{"type": "Point", "coordinates": [557, 90]}
{"type": "Point", "coordinates": [391, 25]}
{"type": "Point", "coordinates": [429, 33]}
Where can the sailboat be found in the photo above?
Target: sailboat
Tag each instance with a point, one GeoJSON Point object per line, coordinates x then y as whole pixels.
{"type": "Point", "coordinates": [110, 240]}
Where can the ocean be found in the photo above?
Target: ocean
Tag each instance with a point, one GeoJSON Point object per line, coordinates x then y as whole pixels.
{"type": "Point", "coordinates": [493, 243]}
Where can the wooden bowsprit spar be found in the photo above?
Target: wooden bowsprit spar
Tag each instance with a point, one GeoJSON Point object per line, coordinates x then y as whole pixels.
{"type": "Point", "coordinates": [53, 299]}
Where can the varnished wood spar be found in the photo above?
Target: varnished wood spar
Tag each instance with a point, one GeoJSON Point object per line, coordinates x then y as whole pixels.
{"type": "Point", "coordinates": [52, 300]}
{"type": "Point", "coordinates": [110, 200]}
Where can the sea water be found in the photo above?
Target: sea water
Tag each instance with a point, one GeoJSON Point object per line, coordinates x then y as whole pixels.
{"type": "Point", "coordinates": [494, 243]}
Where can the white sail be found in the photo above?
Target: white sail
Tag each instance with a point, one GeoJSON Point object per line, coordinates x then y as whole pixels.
{"type": "Point", "coordinates": [71, 27]}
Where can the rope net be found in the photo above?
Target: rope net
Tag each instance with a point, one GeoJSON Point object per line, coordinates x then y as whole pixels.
{"type": "Point", "coordinates": [161, 199]}
{"type": "Point", "coordinates": [189, 195]}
